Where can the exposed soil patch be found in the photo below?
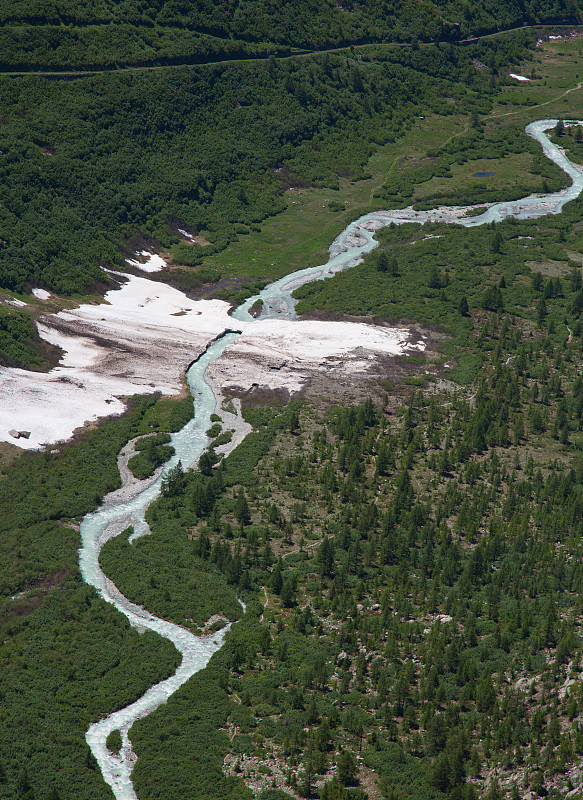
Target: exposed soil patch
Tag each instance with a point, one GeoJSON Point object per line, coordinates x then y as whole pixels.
{"type": "Point", "coordinates": [31, 597]}
{"type": "Point", "coordinates": [258, 396]}
{"type": "Point", "coordinates": [138, 242]}
{"type": "Point", "coordinates": [51, 353]}
{"type": "Point", "coordinates": [549, 268]}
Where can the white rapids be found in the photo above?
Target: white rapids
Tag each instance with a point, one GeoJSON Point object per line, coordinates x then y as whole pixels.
{"type": "Point", "coordinates": [114, 516]}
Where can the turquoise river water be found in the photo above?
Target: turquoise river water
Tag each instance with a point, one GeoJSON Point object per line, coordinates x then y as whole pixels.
{"type": "Point", "coordinates": [114, 515]}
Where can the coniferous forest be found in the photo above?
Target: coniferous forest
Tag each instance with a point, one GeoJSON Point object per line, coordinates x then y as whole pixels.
{"type": "Point", "coordinates": [408, 548]}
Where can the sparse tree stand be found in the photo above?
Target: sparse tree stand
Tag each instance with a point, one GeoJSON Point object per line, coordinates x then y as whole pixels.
{"type": "Point", "coordinates": [242, 514]}
{"type": "Point", "coordinates": [382, 262]}
{"type": "Point", "coordinates": [294, 422]}
{"type": "Point", "coordinates": [347, 768]}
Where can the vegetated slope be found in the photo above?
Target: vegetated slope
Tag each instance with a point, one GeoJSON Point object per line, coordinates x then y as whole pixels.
{"type": "Point", "coordinates": [438, 273]}
{"type": "Point", "coordinates": [421, 561]}
{"type": "Point", "coordinates": [20, 344]}
{"type": "Point", "coordinates": [419, 558]}
{"type": "Point", "coordinates": [107, 34]}
{"type": "Point", "coordinates": [85, 164]}
{"type": "Point", "coordinates": [67, 658]}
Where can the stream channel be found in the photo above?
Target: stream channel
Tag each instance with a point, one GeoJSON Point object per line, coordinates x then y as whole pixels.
{"type": "Point", "coordinates": [115, 515]}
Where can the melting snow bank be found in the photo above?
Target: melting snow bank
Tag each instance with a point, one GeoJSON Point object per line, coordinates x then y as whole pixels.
{"type": "Point", "coordinates": [281, 354]}
{"type": "Point", "coordinates": [41, 294]}
{"type": "Point", "coordinates": [153, 262]}
{"type": "Point", "coordinates": [139, 341]}
{"type": "Point", "coordinates": [518, 77]}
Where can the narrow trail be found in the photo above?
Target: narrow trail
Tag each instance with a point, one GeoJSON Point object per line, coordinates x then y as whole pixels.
{"type": "Point", "coordinates": [117, 512]}
{"type": "Point", "coordinates": [265, 602]}
{"type": "Point", "coordinates": [538, 105]}
{"type": "Point", "coordinates": [298, 53]}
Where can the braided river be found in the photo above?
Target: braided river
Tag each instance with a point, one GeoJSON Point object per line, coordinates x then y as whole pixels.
{"type": "Point", "coordinates": [121, 510]}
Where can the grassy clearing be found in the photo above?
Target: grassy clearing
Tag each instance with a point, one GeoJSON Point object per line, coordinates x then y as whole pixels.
{"type": "Point", "coordinates": [300, 236]}
{"type": "Point", "coordinates": [559, 65]}
{"type": "Point", "coordinates": [509, 171]}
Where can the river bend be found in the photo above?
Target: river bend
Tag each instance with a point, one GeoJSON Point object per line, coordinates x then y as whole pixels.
{"type": "Point", "coordinates": [116, 515]}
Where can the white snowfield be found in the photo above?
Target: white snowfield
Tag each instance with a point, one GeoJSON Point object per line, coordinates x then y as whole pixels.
{"type": "Point", "coordinates": [147, 333]}
{"type": "Point", "coordinates": [284, 354]}
{"type": "Point", "coordinates": [153, 262]}
{"type": "Point", "coordinates": [41, 294]}
{"type": "Point", "coordinates": [142, 339]}
{"type": "Point", "coordinates": [132, 344]}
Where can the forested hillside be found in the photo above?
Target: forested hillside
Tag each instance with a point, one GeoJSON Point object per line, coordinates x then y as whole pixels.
{"type": "Point", "coordinates": [410, 559]}
{"type": "Point", "coordinates": [87, 164]}
{"type": "Point", "coordinates": [107, 34]}
{"type": "Point", "coordinates": [418, 566]}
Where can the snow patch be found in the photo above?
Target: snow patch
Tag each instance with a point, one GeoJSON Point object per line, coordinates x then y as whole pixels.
{"type": "Point", "coordinates": [17, 303]}
{"type": "Point", "coordinates": [131, 344]}
{"type": "Point", "coordinates": [153, 262]}
{"type": "Point", "coordinates": [41, 294]}
{"type": "Point", "coordinates": [142, 338]}
{"type": "Point", "coordinates": [283, 354]}
{"type": "Point", "coordinates": [518, 77]}
{"type": "Point", "coordinates": [186, 234]}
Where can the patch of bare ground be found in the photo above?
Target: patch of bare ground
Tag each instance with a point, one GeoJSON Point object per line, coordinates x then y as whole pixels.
{"type": "Point", "coordinates": [186, 281]}
{"type": "Point", "coordinates": [52, 354]}
{"type": "Point", "coordinates": [259, 396]}
{"type": "Point", "coordinates": [32, 596]}
{"type": "Point", "coordinates": [549, 268]}
{"type": "Point", "coordinates": [264, 771]}
{"type": "Point", "coordinates": [379, 376]}
{"type": "Point", "coordinates": [8, 454]}
{"type": "Point", "coordinates": [574, 256]}
{"type": "Point", "coordinates": [259, 772]}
